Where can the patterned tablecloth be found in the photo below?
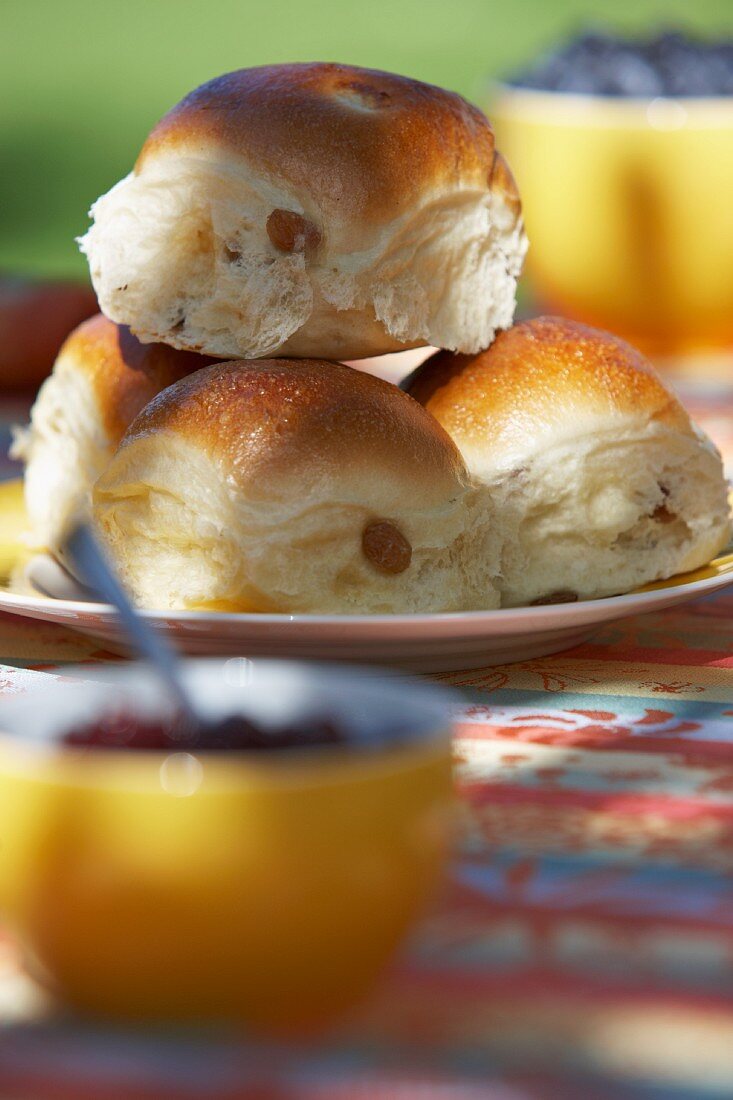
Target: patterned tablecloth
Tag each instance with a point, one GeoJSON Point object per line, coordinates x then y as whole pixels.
{"type": "Point", "coordinates": [584, 947]}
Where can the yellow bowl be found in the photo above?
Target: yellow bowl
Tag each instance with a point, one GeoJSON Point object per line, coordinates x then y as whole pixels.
{"type": "Point", "coordinates": [628, 209]}
{"type": "Point", "coordinates": [267, 888]}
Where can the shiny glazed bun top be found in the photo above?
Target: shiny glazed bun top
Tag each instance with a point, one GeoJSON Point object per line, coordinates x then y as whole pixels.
{"type": "Point", "coordinates": [368, 144]}
{"type": "Point", "coordinates": [282, 429]}
{"type": "Point", "coordinates": [542, 383]}
{"type": "Point", "coordinates": [316, 209]}
{"type": "Point", "coordinates": [289, 485]}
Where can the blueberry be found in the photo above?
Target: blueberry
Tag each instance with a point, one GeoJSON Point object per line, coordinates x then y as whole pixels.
{"type": "Point", "coordinates": [672, 63]}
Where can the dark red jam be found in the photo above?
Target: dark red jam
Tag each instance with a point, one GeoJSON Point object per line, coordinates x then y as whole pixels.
{"type": "Point", "coordinates": [233, 734]}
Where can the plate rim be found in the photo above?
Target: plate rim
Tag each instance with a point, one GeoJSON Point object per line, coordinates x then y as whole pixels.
{"type": "Point", "coordinates": [634, 601]}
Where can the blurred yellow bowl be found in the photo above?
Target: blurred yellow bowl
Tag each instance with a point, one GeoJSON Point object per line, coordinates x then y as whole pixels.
{"type": "Point", "coordinates": [13, 524]}
{"type": "Point", "coordinates": [271, 889]}
{"type": "Point", "coordinates": [628, 209]}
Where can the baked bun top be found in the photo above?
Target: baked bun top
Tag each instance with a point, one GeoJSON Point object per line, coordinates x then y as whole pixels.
{"type": "Point", "coordinates": [123, 373]}
{"type": "Point", "coordinates": [281, 429]}
{"type": "Point", "coordinates": [540, 384]}
{"type": "Point", "coordinates": [365, 144]}
{"type": "Point", "coordinates": [313, 210]}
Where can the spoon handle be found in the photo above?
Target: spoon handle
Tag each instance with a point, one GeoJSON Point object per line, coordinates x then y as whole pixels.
{"type": "Point", "coordinates": [93, 566]}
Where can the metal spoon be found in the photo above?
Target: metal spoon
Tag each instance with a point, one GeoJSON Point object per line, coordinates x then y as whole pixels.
{"type": "Point", "coordinates": [99, 575]}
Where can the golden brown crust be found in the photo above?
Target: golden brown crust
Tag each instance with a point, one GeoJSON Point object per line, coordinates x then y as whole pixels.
{"type": "Point", "coordinates": [365, 144]}
{"type": "Point", "coordinates": [124, 373]}
{"type": "Point", "coordinates": [270, 421]}
{"type": "Point", "coordinates": [539, 372]}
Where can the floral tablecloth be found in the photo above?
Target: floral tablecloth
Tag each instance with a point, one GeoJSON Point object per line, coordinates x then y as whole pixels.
{"type": "Point", "coordinates": [584, 947]}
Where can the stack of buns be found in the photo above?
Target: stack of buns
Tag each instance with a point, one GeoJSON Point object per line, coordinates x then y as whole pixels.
{"type": "Point", "coordinates": [279, 220]}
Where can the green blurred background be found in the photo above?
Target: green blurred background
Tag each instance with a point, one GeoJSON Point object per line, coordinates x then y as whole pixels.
{"type": "Point", "coordinates": [81, 83]}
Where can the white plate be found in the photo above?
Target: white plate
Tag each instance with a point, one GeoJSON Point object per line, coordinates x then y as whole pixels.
{"type": "Point", "coordinates": [425, 643]}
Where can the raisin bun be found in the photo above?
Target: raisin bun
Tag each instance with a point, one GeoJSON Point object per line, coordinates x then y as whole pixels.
{"type": "Point", "coordinates": [292, 486]}
{"type": "Point", "coordinates": [102, 378]}
{"type": "Point", "coordinates": [599, 479]}
{"type": "Point", "coordinates": [312, 210]}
